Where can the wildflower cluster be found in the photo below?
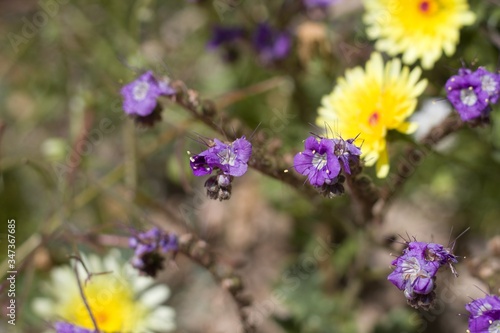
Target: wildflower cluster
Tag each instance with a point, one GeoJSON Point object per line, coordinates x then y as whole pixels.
{"type": "Point", "coordinates": [416, 269]}
{"type": "Point", "coordinates": [484, 315]}
{"type": "Point", "coordinates": [141, 98]}
{"type": "Point", "coordinates": [323, 161]}
{"type": "Point", "coordinates": [472, 92]}
{"type": "Point", "coordinates": [228, 160]}
{"type": "Point", "coordinates": [150, 248]}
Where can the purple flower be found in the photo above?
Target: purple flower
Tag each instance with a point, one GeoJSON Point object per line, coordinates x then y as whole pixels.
{"type": "Point", "coordinates": [271, 45]}
{"type": "Point", "coordinates": [484, 314]}
{"type": "Point", "coordinates": [319, 3]}
{"type": "Point", "coordinates": [413, 273]}
{"type": "Point", "coordinates": [140, 96]}
{"type": "Point", "coordinates": [225, 35]}
{"type": "Point", "coordinates": [416, 269]}
{"type": "Point", "coordinates": [465, 92]}
{"type": "Point", "coordinates": [149, 250]}
{"type": "Point", "coordinates": [230, 158]}
{"type": "Point", "coordinates": [62, 327]}
{"type": "Point", "coordinates": [318, 161]}
{"type": "Point", "coordinates": [323, 160]}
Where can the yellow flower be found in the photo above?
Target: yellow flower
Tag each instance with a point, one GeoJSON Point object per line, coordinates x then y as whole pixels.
{"type": "Point", "coordinates": [120, 301]}
{"type": "Point", "coordinates": [369, 102]}
{"type": "Point", "coordinates": [420, 29]}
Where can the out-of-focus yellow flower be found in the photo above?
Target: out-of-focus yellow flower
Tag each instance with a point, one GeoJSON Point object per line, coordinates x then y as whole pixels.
{"type": "Point", "coordinates": [367, 103]}
{"type": "Point", "coordinates": [120, 301]}
{"type": "Point", "coordinates": [419, 29]}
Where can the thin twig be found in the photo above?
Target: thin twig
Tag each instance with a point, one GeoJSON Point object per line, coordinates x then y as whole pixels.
{"type": "Point", "coordinates": [82, 294]}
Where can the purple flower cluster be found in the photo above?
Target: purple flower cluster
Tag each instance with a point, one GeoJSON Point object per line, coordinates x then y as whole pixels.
{"type": "Point", "coordinates": [227, 39]}
{"type": "Point", "coordinates": [416, 269]}
{"type": "Point", "coordinates": [149, 250]}
{"type": "Point", "coordinates": [62, 327]}
{"type": "Point", "coordinates": [228, 160]}
{"type": "Point", "coordinates": [324, 159]}
{"type": "Point", "coordinates": [270, 44]}
{"type": "Point", "coordinates": [140, 97]}
{"type": "Point", "coordinates": [484, 314]}
{"type": "Point", "coordinates": [472, 93]}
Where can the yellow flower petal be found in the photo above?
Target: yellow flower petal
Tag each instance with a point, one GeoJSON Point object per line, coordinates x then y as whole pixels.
{"type": "Point", "coordinates": [407, 128]}
{"type": "Point", "coordinates": [382, 166]}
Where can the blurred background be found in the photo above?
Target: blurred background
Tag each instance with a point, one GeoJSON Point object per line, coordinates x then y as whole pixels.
{"type": "Point", "coordinates": [73, 166]}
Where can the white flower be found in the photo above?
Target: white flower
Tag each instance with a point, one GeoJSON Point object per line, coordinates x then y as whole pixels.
{"type": "Point", "coordinates": [121, 300]}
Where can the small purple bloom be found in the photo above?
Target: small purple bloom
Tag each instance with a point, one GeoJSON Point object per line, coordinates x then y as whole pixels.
{"type": "Point", "coordinates": [225, 35]}
{"type": "Point", "coordinates": [484, 314]}
{"type": "Point", "coordinates": [413, 273]}
{"type": "Point", "coordinates": [465, 92]}
{"type": "Point", "coordinates": [271, 45]}
{"type": "Point", "coordinates": [62, 327]}
{"type": "Point", "coordinates": [416, 269]}
{"type": "Point", "coordinates": [323, 160]}
{"type": "Point", "coordinates": [318, 161]}
{"type": "Point", "coordinates": [140, 96]}
{"type": "Point", "coordinates": [230, 158]}
{"type": "Point", "coordinates": [149, 250]}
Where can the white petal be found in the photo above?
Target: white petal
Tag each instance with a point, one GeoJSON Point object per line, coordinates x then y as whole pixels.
{"type": "Point", "coordinates": [162, 319]}
{"type": "Point", "coordinates": [43, 307]}
{"type": "Point", "coordinates": [141, 283]}
{"type": "Point", "coordinates": [155, 296]}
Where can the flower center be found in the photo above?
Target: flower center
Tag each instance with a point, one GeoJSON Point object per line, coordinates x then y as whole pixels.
{"type": "Point", "coordinates": [428, 7]}
{"type": "Point", "coordinates": [468, 96]}
{"type": "Point", "coordinates": [374, 118]}
{"type": "Point", "coordinates": [140, 91]}
{"type": "Point", "coordinates": [319, 161]}
{"type": "Point", "coordinates": [227, 156]}
{"type": "Point", "coordinates": [111, 302]}
{"type": "Point", "coordinates": [488, 84]}
{"type": "Point", "coordinates": [410, 268]}
{"type": "Point", "coordinates": [494, 327]}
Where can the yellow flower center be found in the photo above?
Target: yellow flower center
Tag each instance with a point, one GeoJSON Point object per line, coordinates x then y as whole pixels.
{"type": "Point", "coordinates": [373, 120]}
{"type": "Point", "coordinates": [111, 302]}
{"type": "Point", "coordinates": [428, 7]}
